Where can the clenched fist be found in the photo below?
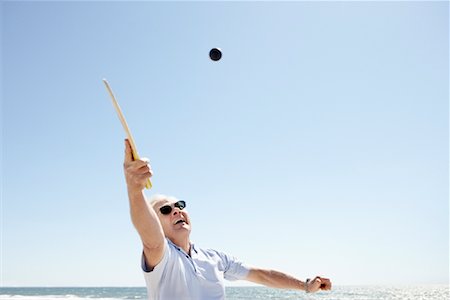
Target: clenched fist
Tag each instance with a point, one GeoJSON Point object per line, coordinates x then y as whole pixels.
{"type": "Point", "coordinates": [136, 171]}
{"type": "Point", "coordinates": [318, 283]}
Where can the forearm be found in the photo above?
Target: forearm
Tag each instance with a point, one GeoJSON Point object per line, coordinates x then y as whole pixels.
{"type": "Point", "coordinates": [145, 220]}
{"type": "Point", "coordinates": [275, 279]}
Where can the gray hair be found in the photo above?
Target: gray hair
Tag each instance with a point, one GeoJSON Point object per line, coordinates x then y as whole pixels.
{"type": "Point", "coordinates": [158, 197]}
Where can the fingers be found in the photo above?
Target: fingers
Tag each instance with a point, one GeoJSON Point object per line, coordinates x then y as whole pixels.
{"type": "Point", "coordinates": [325, 284]}
{"type": "Point", "coordinates": [138, 167]}
{"type": "Point", "coordinates": [136, 175]}
{"type": "Point", "coordinates": [128, 151]}
{"type": "Point", "coordinates": [137, 172]}
{"type": "Point", "coordinates": [145, 169]}
{"type": "Point", "coordinates": [319, 283]}
{"type": "Point", "coordinates": [129, 156]}
{"type": "Point", "coordinates": [316, 283]}
{"type": "Point", "coordinates": [137, 164]}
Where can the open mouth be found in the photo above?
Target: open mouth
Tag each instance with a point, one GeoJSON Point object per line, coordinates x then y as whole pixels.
{"type": "Point", "coordinates": [180, 221]}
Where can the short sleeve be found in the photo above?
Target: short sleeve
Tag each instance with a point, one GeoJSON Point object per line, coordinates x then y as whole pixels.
{"type": "Point", "coordinates": [154, 275]}
{"type": "Point", "coordinates": [234, 269]}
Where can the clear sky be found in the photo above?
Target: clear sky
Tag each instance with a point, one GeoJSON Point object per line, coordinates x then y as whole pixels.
{"type": "Point", "coordinates": [318, 144]}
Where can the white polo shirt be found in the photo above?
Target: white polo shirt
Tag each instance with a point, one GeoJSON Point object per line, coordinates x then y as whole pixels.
{"type": "Point", "coordinates": [198, 277]}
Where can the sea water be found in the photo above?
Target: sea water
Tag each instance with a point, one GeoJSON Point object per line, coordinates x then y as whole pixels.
{"type": "Point", "coordinates": [417, 292]}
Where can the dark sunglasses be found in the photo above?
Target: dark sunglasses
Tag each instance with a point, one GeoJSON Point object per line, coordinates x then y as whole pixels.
{"type": "Point", "coordinates": [167, 209]}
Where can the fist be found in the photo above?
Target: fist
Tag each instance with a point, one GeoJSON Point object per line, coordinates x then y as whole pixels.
{"type": "Point", "coordinates": [136, 171]}
{"type": "Point", "coordinates": [318, 283]}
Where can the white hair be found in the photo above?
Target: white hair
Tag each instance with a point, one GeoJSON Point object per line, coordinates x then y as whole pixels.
{"type": "Point", "coordinates": [158, 197]}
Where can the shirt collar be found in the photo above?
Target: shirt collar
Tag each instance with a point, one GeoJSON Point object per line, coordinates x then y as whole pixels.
{"type": "Point", "coordinates": [180, 249]}
{"type": "Point", "coordinates": [193, 247]}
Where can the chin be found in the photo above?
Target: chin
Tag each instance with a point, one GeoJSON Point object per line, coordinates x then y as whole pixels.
{"type": "Point", "coordinates": [186, 227]}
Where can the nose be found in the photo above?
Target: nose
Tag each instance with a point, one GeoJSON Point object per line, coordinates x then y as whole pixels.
{"type": "Point", "coordinates": [176, 211]}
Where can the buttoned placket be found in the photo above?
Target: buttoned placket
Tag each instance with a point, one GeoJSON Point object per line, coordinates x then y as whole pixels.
{"type": "Point", "coordinates": [188, 257]}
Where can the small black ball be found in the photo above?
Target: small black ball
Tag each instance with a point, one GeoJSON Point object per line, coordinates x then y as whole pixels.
{"type": "Point", "coordinates": [215, 54]}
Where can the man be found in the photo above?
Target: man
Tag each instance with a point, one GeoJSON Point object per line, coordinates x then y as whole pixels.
{"type": "Point", "coordinates": [174, 268]}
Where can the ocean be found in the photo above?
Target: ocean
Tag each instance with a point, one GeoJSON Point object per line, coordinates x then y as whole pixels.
{"type": "Point", "coordinates": [417, 292]}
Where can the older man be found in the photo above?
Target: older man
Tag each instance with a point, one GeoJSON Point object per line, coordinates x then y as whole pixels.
{"type": "Point", "coordinates": [175, 268]}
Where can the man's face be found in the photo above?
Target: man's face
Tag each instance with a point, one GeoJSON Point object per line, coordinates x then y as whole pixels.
{"type": "Point", "coordinates": [176, 224]}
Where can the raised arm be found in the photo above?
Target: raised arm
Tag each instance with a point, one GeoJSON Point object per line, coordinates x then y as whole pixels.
{"type": "Point", "coordinates": [281, 280]}
{"type": "Point", "coordinates": [144, 218]}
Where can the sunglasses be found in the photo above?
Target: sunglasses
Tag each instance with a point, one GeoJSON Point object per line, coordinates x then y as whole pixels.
{"type": "Point", "coordinates": [167, 209]}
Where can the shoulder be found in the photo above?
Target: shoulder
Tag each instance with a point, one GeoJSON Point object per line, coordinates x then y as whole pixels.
{"type": "Point", "coordinates": [207, 251]}
{"type": "Point", "coordinates": [215, 255]}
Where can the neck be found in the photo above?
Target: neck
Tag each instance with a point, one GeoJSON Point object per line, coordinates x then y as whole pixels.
{"type": "Point", "coordinates": [183, 243]}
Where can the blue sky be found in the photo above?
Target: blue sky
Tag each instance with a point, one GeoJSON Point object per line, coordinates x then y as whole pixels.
{"type": "Point", "coordinates": [318, 144]}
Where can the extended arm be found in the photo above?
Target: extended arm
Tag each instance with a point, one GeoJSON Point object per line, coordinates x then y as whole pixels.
{"type": "Point", "coordinates": [144, 218]}
{"type": "Point", "coordinates": [281, 280]}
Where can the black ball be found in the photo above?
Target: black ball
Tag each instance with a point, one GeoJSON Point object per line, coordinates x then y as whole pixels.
{"type": "Point", "coordinates": [215, 54]}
